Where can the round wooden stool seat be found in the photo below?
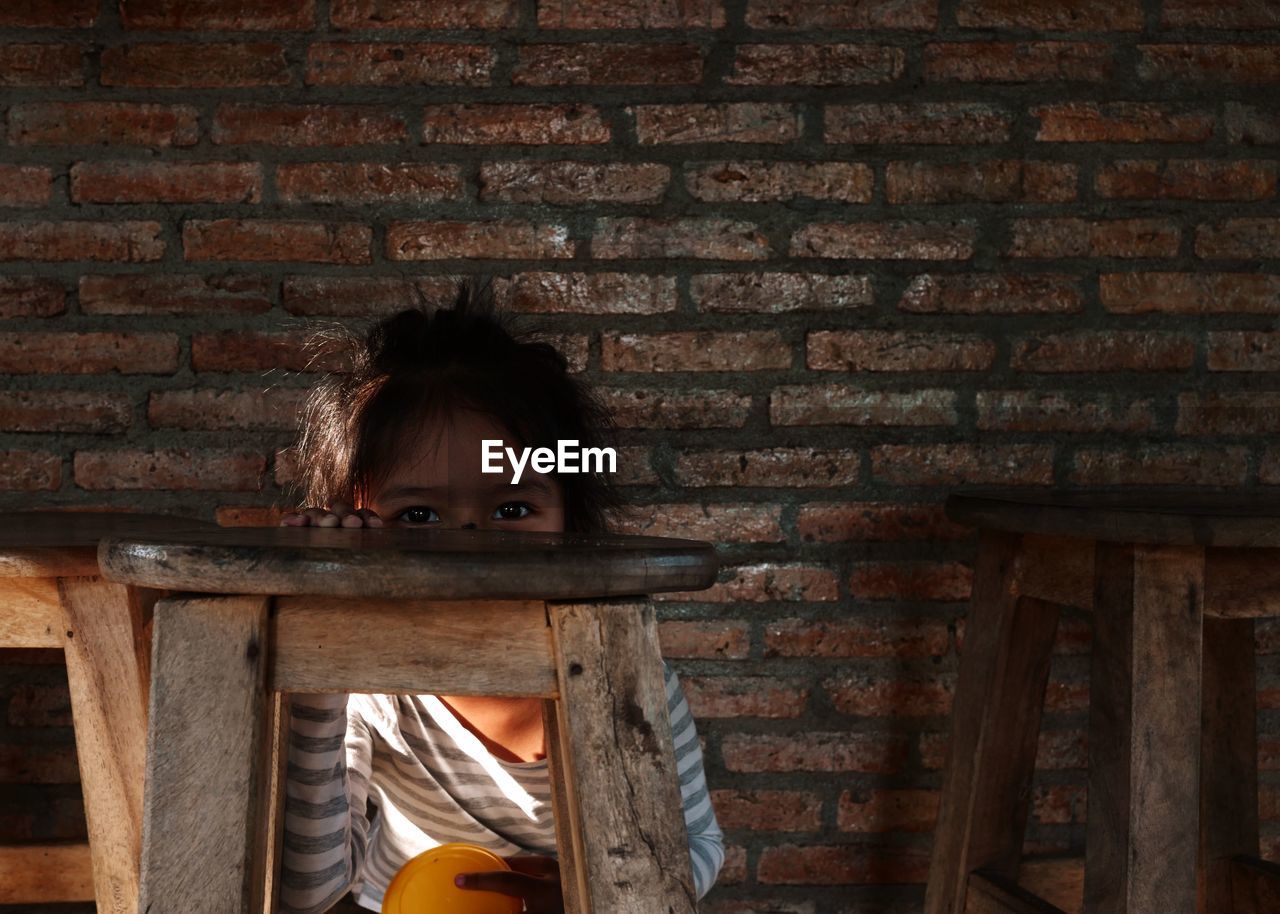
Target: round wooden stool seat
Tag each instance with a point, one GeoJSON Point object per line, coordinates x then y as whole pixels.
{"type": "Point", "coordinates": [61, 544]}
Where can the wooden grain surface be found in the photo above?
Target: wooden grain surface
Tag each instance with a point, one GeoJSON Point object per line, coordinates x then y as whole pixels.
{"type": "Point", "coordinates": [620, 761]}
{"type": "Point", "coordinates": [30, 613]}
{"type": "Point", "coordinates": [1133, 515]}
{"type": "Point", "coordinates": [408, 564]}
{"type": "Point", "coordinates": [992, 894]}
{"type": "Point", "coordinates": [65, 543]}
{"type": "Point", "coordinates": [1256, 886]}
{"type": "Point", "coordinates": [326, 644]}
{"type": "Point", "coordinates": [45, 873]}
{"type": "Point", "coordinates": [564, 806]}
{"type": "Point", "coordinates": [208, 725]}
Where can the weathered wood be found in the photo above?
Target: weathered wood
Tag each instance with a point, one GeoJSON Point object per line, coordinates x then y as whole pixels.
{"type": "Point", "coordinates": [992, 894]}
{"type": "Point", "coordinates": [620, 759]}
{"type": "Point", "coordinates": [408, 564]}
{"type": "Point", "coordinates": [108, 669]}
{"type": "Point", "coordinates": [1057, 569]}
{"type": "Point", "coordinates": [322, 644]}
{"type": "Point", "coordinates": [1228, 757]}
{"type": "Point", "coordinates": [30, 613]}
{"type": "Point", "coordinates": [270, 831]}
{"type": "Point", "coordinates": [207, 728]}
{"type": "Point", "coordinates": [1242, 583]}
{"type": "Point", "coordinates": [995, 722]}
{"type": "Point", "coordinates": [565, 808]}
{"type": "Point", "coordinates": [45, 873]}
{"type": "Point", "coordinates": [1255, 886]}
{"type": "Point", "coordinates": [1155, 516]}
{"type": "Point", "coordinates": [1058, 880]}
{"type": "Point", "coordinates": [1144, 730]}
{"type": "Point", "coordinates": [54, 544]}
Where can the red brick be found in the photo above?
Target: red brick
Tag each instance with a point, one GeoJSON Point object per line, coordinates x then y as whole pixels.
{"type": "Point", "coordinates": [950, 123]}
{"type": "Point", "coordinates": [755, 182]}
{"type": "Point", "coordinates": [873, 753]}
{"type": "Point", "coordinates": [195, 65]}
{"type": "Point", "coordinates": [362, 296]}
{"type": "Point", "coordinates": [1073, 237]}
{"type": "Point", "coordinates": [749, 350]}
{"type": "Point", "coordinates": [765, 583]}
{"type": "Point", "coordinates": [638, 237]}
{"type": "Point", "coordinates": [269, 240]}
{"type": "Point", "coordinates": [727, 122]}
{"type": "Point", "coordinates": [575, 347]}
{"type": "Point", "coordinates": [23, 65]}
{"type": "Point", "coordinates": [879, 810]}
{"type": "Point", "coordinates": [992, 181]}
{"type": "Point", "coordinates": [692, 409]}
{"type": "Point", "coordinates": [842, 864]}
{"type": "Point", "coordinates": [248, 516]}
{"type": "Point", "coordinates": [992, 293]}
{"type": "Point", "coordinates": [25, 185]}
{"type": "Point", "coordinates": [93, 412]}
{"type": "Point", "coordinates": [28, 763]}
{"type": "Point", "coordinates": [1239, 239]}
{"type": "Point", "coordinates": [744, 696]}
{"type": "Point", "coordinates": [175, 293]}
{"type": "Point", "coordinates": [587, 293]}
{"type": "Point", "coordinates": [1059, 804]}
{"type": "Point", "coordinates": [1186, 179]}
{"type": "Point", "coordinates": [893, 636]}
{"type": "Point", "coordinates": [630, 14]}
{"type": "Point", "coordinates": [50, 14]}
{"type": "Point", "coordinates": [1063, 411]}
{"type": "Point", "coordinates": [237, 15]}
{"type": "Point", "coordinates": [251, 350]}
{"type": "Point", "coordinates": [1067, 696]}
{"type": "Point", "coordinates": [1222, 14]}
{"type": "Point", "coordinates": [349, 63]}
{"type": "Point", "coordinates": [98, 123]}
{"type": "Point", "coordinates": [823, 14]}
{"type": "Point", "coordinates": [1254, 412]}
{"type": "Point", "coordinates": [307, 125]}
{"type": "Point", "coordinates": [1103, 350]}
{"type": "Point", "coordinates": [1052, 15]}
{"type": "Point", "coordinates": [170, 468]}
{"type": "Point", "coordinates": [1019, 62]}
{"type": "Point", "coordinates": [1122, 122]}
{"type": "Point", "coordinates": [885, 240]}
{"type": "Point", "coordinates": [31, 296]}
{"type": "Point", "coordinates": [88, 353]}
{"type": "Point", "coordinates": [716, 522]}
{"type": "Point", "coordinates": [768, 810]}
{"type": "Point", "coordinates": [838, 404]}
{"type": "Point", "coordinates": [607, 64]}
{"type": "Point", "coordinates": [1251, 126]}
{"type": "Point", "coordinates": [870, 521]}
{"type": "Point", "coordinates": [415, 14]}
{"type": "Point", "coordinates": [868, 696]}
{"type": "Point", "coordinates": [124, 241]}
{"type": "Point", "coordinates": [1243, 350]}
{"type": "Point", "coordinates": [496, 239]}
{"type": "Point", "coordinates": [523, 125]}
{"type": "Point", "coordinates": [275, 408]}
{"type": "Point", "coordinates": [704, 640]}
{"type": "Point", "coordinates": [30, 471]}
{"type": "Point", "coordinates": [368, 182]}
{"type": "Point", "coordinates": [1161, 465]}
{"type": "Point", "coordinates": [734, 871]}
{"type": "Point", "coordinates": [959, 464]}
{"type": "Point", "coordinates": [40, 705]}
{"type": "Point", "coordinates": [778, 293]}
{"type": "Point", "coordinates": [1190, 293]}
{"type": "Point", "coordinates": [1239, 64]}
{"type": "Point", "coordinates": [815, 65]}
{"type": "Point", "coordinates": [166, 182]}
{"type": "Point", "coordinates": [910, 580]}
{"type": "Point", "coordinates": [570, 183]}
{"type": "Point", "coordinates": [893, 350]}
{"type": "Point", "coordinates": [781, 466]}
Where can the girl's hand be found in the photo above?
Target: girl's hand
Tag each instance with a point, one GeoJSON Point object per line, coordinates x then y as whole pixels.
{"type": "Point", "coordinates": [340, 515]}
{"type": "Point", "coordinates": [536, 880]}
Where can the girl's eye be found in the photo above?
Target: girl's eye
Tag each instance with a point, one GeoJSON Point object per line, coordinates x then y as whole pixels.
{"type": "Point", "coordinates": [512, 510]}
{"type": "Point", "coordinates": [419, 514]}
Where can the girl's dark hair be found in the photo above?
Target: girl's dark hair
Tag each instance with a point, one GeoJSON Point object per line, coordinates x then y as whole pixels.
{"type": "Point", "coordinates": [420, 365]}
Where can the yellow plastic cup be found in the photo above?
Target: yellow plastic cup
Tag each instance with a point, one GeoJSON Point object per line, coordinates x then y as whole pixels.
{"type": "Point", "coordinates": [424, 885]}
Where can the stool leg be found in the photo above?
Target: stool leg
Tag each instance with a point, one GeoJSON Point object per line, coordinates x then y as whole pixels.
{"type": "Point", "coordinates": [1144, 730]}
{"type": "Point", "coordinates": [209, 716]}
{"type": "Point", "coordinates": [619, 768]}
{"type": "Point", "coordinates": [107, 675]}
{"type": "Point", "coordinates": [1228, 757]}
{"type": "Point", "coordinates": [995, 723]}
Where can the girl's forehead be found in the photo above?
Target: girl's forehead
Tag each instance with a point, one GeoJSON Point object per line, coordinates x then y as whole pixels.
{"type": "Point", "coordinates": [448, 450]}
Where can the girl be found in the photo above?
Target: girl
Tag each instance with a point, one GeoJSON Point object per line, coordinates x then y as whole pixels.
{"type": "Point", "coordinates": [374, 780]}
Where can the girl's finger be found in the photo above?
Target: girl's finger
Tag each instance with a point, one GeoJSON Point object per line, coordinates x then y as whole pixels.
{"type": "Point", "coordinates": [535, 865]}
{"type": "Point", "coordinates": [540, 896]}
{"type": "Point", "coordinates": [371, 519]}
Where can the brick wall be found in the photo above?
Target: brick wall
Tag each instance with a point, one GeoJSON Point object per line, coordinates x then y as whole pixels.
{"type": "Point", "coordinates": [828, 260]}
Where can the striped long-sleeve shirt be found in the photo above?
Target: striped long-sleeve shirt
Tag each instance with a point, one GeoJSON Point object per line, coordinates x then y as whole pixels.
{"type": "Point", "coordinates": [374, 780]}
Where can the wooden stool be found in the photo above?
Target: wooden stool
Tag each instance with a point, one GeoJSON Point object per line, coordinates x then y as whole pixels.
{"type": "Point", "coordinates": [561, 617]}
{"type": "Point", "coordinates": [1173, 582]}
{"type": "Point", "coordinates": [52, 597]}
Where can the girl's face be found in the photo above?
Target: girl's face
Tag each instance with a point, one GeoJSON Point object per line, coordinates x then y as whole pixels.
{"type": "Point", "coordinates": [437, 484]}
